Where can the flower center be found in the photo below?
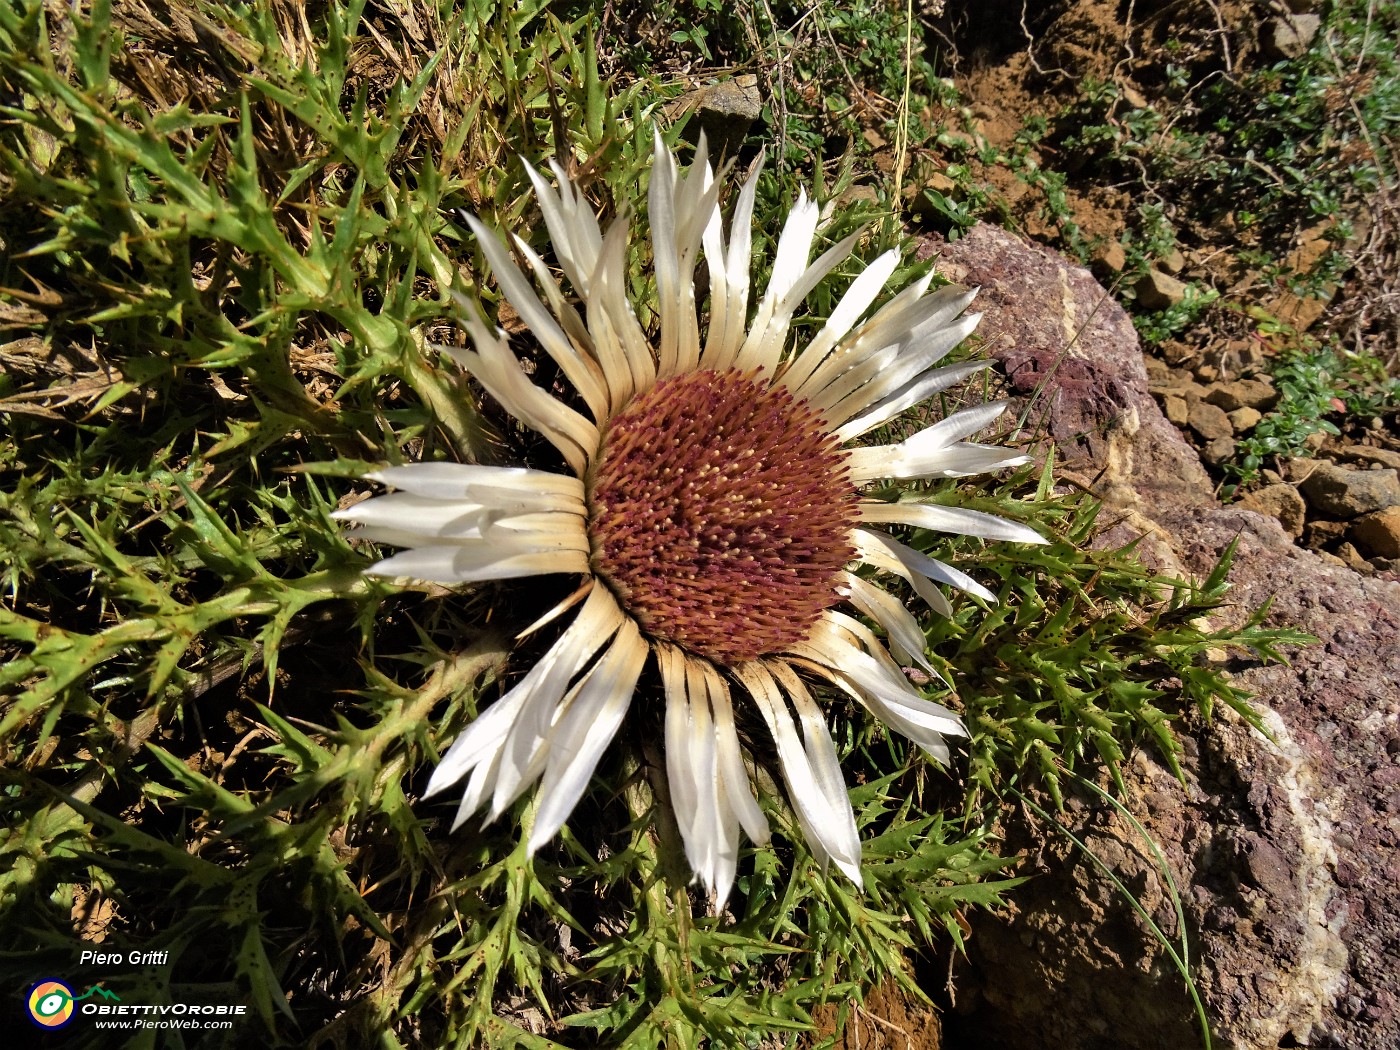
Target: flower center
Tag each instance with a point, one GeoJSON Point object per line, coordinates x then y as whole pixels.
{"type": "Point", "coordinates": [720, 514]}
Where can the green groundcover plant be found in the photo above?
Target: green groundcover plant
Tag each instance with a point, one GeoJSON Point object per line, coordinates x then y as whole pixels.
{"type": "Point", "coordinates": [230, 237]}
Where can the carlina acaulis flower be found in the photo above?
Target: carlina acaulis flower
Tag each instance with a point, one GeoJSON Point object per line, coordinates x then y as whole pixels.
{"type": "Point", "coordinates": [713, 509]}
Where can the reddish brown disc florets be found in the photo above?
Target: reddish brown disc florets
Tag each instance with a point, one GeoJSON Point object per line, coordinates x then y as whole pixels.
{"type": "Point", "coordinates": [721, 513]}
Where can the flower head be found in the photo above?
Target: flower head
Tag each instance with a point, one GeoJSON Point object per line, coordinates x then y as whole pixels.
{"type": "Point", "coordinates": [712, 508]}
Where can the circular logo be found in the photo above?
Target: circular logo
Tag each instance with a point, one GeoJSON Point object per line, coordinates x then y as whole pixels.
{"type": "Point", "coordinates": [51, 1004]}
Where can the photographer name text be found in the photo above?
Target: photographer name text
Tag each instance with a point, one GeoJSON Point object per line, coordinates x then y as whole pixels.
{"type": "Point", "coordinates": [91, 958]}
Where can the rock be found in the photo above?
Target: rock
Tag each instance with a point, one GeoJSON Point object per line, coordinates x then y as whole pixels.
{"type": "Point", "coordinates": [1157, 291]}
{"type": "Point", "coordinates": [1178, 410]}
{"type": "Point", "coordinates": [1289, 36]}
{"type": "Point", "coordinates": [1109, 259]}
{"type": "Point", "coordinates": [1366, 454]}
{"type": "Point", "coordinates": [1244, 393]}
{"type": "Point", "coordinates": [1312, 244]}
{"type": "Point", "coordinates": [1286, 851]}
{"type": "Point", "coordinates": [860, 193]}
{"type": "Point", "coordinates": [1298, 469]}
{"type": "Point", "coordinates": [937, 180]}
{"type": "Point", "coordinates": [1281, 502]}
{"type": "Point", "coordinates": [1176, 381]}
{"type": "Point", "coordinates": [1341, 493]}
{"type": "Point", "coordinates": [1210, 421]}
{"type": "Point", "coordinates": [1173, 262]}
{"type": "Point", "coordinates": [1352, 557]}
{"type": "Point", "coordinates": [1378, 533]}
{"type": "Point", "coordinates": [1298, 312]}
{"type": "Point", "coordinates": [1243, 419]}
{"type": "Point", "coordinates": [1242, 356]}
{"type": "Point", "coordinates": [1040, 322]}
{"type": "Point", "coordinates": [1178, 352]}
{"type": "Point", "coordinates": [1159, 373]}
{"type": "Point", "coordinates": [1219, 451]}
{"type": "Point", "coordinates": [725, 109]}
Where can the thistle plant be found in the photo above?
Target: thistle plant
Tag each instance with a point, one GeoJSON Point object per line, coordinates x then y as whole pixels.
{"type": "Point", "coordinates": [710, 510]}
{"type": "Point", "coordinates": [230, 242]}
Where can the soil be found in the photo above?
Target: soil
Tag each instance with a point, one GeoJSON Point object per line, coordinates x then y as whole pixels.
{"type": "Point", "coordinates": [889, 1019]}
{"type": "Point", "coordinates": [1036, 65]}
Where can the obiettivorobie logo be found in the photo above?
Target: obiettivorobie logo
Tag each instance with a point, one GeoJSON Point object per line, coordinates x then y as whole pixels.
{"type": "Point", "coordinates": [51, 1002]}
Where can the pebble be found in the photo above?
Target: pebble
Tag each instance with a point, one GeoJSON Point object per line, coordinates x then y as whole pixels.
{"type": "Point", "coordinates": [1289, 36]}
{"type": "Point", "coordinates": [1378, 533]}
{"type": "Point", "coordinates": [1157, 291]}
{"type": "Point", "coordinates": [1210, 421]}
{"type": "Point", "coordinates": [1281, 502]}
{"type": "Point", "coordinates": [1220, 450]}
{"type": "Point", "coordinates": [1338, 492]}
{"type": "Point", "coordinates": [1243, 419]}
{"type": "Point", "coordinates": [1244, 393]}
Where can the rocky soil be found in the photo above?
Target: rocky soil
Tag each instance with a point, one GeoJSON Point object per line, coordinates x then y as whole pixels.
{"type": "Point", "coordinates": [1286, 851]}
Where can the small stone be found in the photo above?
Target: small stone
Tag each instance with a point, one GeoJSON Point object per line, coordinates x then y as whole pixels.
{"type": "Point", "coordinates": [1178, 352]}
{"type": "Point", "coordinates": [1157, 291]}
{"type": "Point", "coordinates": [1173, 262]}
{"type": "Point", "coordinates": [1207, 373]}
{"type": "Point", "coordinates": [1158, 371]}
{"type": "Point", "coordinates": [1109, 258]}
{"type": "Point", "coordinates": [1298, 469]}
{"type": "Point", "coordinates": [1210, 421]}
{"type": "Point", "coordinates": [1342, 493]}
{"type": "Point", "coordinates": [1219, 451]}
{"type": "Point", "coordinates": [1242, 356]}
{"type": "Point", "coordinates": [1244, 393]}
{"type": "Point", "coordinates": [1353, 559]}
{"type": "Point", "coordinates": [1243, 419]}
{"type": "Point", "coordinates": [1281, 502]}
{"type": "Point", "coordinates": [1176, 381]}
{"type": "Point", "coordinates": [1289, 36]}
{"type": "Point", "coordinates": [860, 193]}
{"type": "Point", "coordinates": [1298, 312]}
{"type": "Point", "coordinates": [1176, 409]}
{"type": "Point", "coordinates": [939, 181]}
{"type": "Point", "coordinates": [1383, 457]}
{"type": "Point", "coordinates": [726, 110]}
{"type": "Point", "coordinates": [1312, 244]}
{"type": "Point", "coordinates": [1378, 533]}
